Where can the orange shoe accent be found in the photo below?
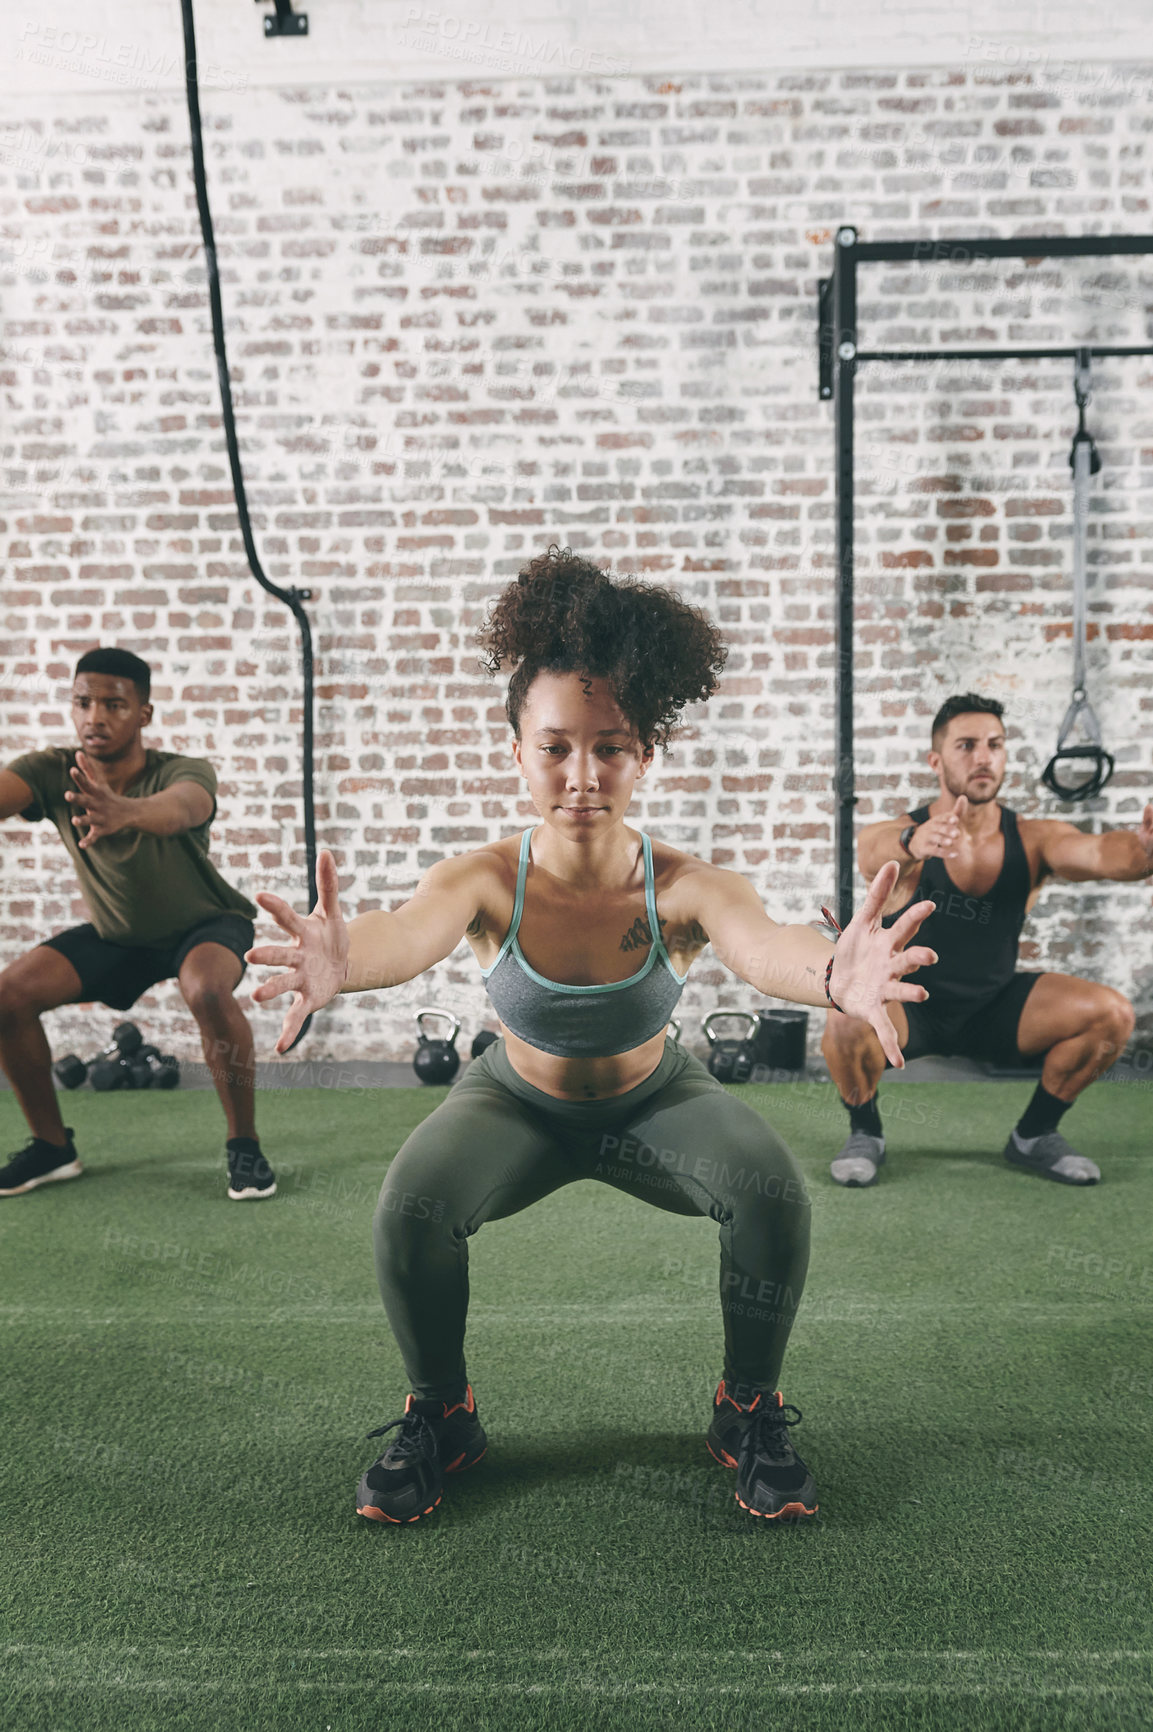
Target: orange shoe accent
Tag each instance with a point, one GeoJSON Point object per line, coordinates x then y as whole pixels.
{"type": "Point", "coordinates": [723, 1395]}
{"type": "Point", "coordinates": [466, 1404]}
{"type": "Point", "coordinates": [725, 1459]}
{"type": "Point", "coordinates": [791, 1510]}
{"type": "Point", "coordinates": [375, 1515]}
{"type": "Point", "coordinates": [455, 1467]}
{"type": "Point", "coordinates": [379, 1515]}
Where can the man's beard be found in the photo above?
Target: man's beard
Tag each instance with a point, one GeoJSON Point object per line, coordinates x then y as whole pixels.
{"type": "Point", "coordinates": [979, 796]}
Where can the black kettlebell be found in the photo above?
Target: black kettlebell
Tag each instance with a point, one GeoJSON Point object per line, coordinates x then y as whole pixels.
{"type": "Point", "coordinates": [779, 1044]}
{"type": "Point", "coordinates": [481, 1040]}
{"type": "Point", "coordinates": [436, 1061]}
{"type": "Point", "coordinates": [730, 1061]}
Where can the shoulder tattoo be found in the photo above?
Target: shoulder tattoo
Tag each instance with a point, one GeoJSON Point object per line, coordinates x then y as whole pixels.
{"type": "Point", "coordinates": [638, 933]}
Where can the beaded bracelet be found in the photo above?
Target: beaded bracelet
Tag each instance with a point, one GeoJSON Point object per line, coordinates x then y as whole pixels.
{"type": "Point", "coordinates": [832, 959]}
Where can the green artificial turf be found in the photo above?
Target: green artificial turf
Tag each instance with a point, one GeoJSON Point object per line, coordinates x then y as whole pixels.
{"type": "Point", "coordinates": [187, 1384]}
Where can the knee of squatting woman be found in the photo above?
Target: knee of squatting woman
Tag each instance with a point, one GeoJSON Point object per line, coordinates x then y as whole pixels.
{"type": "Point", "coordinates": [585, 929]}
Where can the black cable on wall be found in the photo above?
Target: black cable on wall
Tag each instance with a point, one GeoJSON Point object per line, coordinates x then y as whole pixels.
{"type": "Point", "coordinates": [292, 598]}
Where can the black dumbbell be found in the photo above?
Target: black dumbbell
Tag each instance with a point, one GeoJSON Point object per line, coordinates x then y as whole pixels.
{"type": "Point", "coordinates": [152, 1068]}
{"type": "Point", "coordinates": [71, 1071]}
{"type": "Point", "coordinates": [436, 1061]}
{"type": "Point", "coordinates": [730, 1061]}
{"type": "Point", "coordinates": [482, 1040]}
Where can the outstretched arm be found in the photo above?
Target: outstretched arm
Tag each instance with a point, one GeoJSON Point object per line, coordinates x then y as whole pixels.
{"type": "Point", "coordinates": [1122, 855]}
{"type": "Point", "coordinates": [97, 811]}
{"type": "Point", "coordinates": [934, 839]}
{"type": "Point", "coordinates": [15, 794]}
{"type": "Point", "coordinates": [790, 962]}
{"type": "Point", "coordinates": [326, 956]}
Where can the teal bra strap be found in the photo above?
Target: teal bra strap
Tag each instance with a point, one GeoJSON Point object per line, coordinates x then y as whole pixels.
{"type": "Point", "coordinates": [521, 875]}
{"type": "Point", "coordinates": [651, 906]}
{"type": "Point", "coordinates": [651, 889]}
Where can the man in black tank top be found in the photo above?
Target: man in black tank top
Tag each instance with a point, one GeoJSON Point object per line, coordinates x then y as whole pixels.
{"type": "Point", "coordinates": [984, 867]}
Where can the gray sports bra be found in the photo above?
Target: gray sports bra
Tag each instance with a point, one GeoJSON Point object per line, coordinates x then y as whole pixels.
{"type": "Point", "coordinates": [583, 1021]}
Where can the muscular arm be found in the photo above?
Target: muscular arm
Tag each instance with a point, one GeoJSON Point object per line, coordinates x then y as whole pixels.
{"type": "Point", "coordinates": [880, 842]}
{"type": "Point", "coordinates": [1122, 855]}
{"type": "Point", "coordinates": [98, 811]}
{"type": "Point", "coordinates": [15, 794]}
{"type": "Point", "coordinates": [780, 961]}
{"type": "Point", "coordinates": [790, 961]}
{"type": "Point", "coordinates": [386, 949]}
{"type": "Point", "coordinates": [183, 806]}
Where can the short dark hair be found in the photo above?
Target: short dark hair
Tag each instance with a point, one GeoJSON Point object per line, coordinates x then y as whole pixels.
{"type": "Point", "coordinates": [121, 664]}
{"type": "Point", "coordinates": [961, 704]}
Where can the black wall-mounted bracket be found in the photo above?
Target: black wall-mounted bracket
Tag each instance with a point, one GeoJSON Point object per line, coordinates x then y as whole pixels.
{"type": "Point", "coordinates": [287, 22]}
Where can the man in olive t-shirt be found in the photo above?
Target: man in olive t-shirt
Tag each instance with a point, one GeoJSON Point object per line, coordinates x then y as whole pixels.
{"type": "Point", "coordinates": [136, 823]}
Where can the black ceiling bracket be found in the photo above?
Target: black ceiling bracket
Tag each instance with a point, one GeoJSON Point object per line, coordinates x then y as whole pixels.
{"type": "Point", "coordinates": [287, 22]}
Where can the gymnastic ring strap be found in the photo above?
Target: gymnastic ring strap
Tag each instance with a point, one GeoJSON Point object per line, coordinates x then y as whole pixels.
{"type": "Point", "coordinates": [1080, 717]}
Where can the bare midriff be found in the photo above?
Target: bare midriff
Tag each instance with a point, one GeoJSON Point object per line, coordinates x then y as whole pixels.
{"type": "Point", "coordinates": [584, 1079]}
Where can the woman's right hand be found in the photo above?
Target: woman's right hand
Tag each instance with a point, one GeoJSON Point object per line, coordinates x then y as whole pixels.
{"type": "Point", "coordinates": [315, 963]}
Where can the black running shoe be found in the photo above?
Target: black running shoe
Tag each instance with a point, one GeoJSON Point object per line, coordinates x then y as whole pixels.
{"type": "Point", "coordinates": [249, 1174]}
{"type": "Point", "coordinates": [39, 1163]}
{"type": "Point", "coordinates": [772, 1480]}
{"type": "Point", "coordinates": [407, 1481]}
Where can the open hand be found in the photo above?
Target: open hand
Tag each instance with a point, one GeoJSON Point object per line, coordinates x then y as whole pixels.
{"type": "Point", "coordinates": [315, 963]}
{"type": "Point", "coordinates": [870, 962]}
{"type": "Point", "coordinates": [941, 838]}
{"type": "Point", "coordinates": [96, 810]}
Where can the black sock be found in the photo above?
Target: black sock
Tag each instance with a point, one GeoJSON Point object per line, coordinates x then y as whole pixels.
{"type": "Point", "coordinates": [244, 1145]}
{"type": "Point", "coordinates": [866, 1117]}
{"type": "Point", "coordinates": [1042, 1115]}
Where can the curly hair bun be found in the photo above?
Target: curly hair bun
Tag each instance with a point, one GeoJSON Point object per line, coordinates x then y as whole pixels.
{"type": "Point", "coordinates": [564, 615]}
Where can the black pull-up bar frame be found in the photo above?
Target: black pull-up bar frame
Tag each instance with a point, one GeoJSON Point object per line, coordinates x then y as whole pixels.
{"type": "Point", "coordinates": [839, 357]}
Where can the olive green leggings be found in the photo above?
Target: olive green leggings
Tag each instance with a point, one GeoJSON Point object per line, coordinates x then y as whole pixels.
{"type": "Point", "coordinates": [678, 1140]}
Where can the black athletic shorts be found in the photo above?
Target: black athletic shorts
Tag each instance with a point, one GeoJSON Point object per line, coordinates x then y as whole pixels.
{"type": "Point", "coordinates": [117, 974]}
{"type": "Point", "coordinates": [989, 1033]}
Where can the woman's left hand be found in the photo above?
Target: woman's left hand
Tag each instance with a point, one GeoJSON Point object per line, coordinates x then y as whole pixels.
{"type": "Point", "coordinates": [870, 961]}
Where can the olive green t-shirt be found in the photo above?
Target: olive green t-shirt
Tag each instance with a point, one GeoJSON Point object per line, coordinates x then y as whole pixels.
{"type": "Point", "coordinates": [140, 889]}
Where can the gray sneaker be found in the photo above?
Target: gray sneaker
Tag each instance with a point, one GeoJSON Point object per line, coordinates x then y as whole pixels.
{"type": "Point", "coordinates": [858, 1161]}
{"type": "Point", "coordinates": [1053, 1158]}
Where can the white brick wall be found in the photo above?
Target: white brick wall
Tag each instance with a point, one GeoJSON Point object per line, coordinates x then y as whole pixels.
{"type": "Point", "coordinates": [118, 45]}
{"type": "Point", "coordinates": [467, 318]}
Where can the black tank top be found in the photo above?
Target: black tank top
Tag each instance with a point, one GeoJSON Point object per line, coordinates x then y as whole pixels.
{"type": "Point", "coordinates": [975, 937]}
